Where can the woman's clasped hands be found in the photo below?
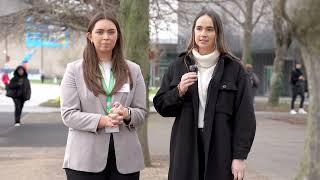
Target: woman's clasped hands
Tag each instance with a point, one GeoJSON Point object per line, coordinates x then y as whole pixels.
{"type": "Point", "coordinates": [115, 117]}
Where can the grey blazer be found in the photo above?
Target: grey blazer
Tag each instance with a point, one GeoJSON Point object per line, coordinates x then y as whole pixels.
{"type": "Point", "coordinates": [87, 147]}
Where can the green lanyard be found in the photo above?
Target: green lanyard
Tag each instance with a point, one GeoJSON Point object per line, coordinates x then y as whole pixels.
{"type": "Point", "coordinates": [108, 88]}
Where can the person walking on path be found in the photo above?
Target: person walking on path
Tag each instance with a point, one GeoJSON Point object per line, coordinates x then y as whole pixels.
{"type": "Point", "coordinates": [214, 123]}
{"type": "Point", "coordinates": [255, 81]}
{"type": "Point", "coordinates": [103, 102]}
{"type": "Point", "coordinates": [298, 88]}
{"type": "Point", "coordinates": [19, 90]}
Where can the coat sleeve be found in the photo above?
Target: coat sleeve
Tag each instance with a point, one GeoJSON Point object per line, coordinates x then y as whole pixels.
{"type": "Point", "coordinates": [256, 80]}
{"type": "Point", "coordinates": [28, 90]}
{"type": "Point", "coordinates": [244, 120]}
{"type": "Point", "coordinates": [13, 84]}
{"type": "Point", "coordinates": [138, 105]}
{"type": "Point", "coordinates": [167, 101]}
{"type": "Point", "coordinates": [71, 105]}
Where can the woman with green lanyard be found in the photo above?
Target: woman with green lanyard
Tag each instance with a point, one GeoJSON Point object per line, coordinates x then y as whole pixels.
{"type": "Point", "coordinates": [102, 102]}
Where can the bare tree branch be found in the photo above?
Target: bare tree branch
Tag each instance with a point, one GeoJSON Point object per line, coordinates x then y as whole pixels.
{"type": "Point", "coordinates": [239, 5]}
{"type": "Point", "coordinates": [234, 17]}
{"type": "Point", "coordinates": [261, 13]}
{"type": "Point", "coordinates": [73, 14]}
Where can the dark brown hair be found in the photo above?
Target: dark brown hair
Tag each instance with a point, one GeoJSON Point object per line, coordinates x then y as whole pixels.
{"type": "Point", "coordinates": [91, 71]}
{"type": "Point", "coordinates": [218, 27]}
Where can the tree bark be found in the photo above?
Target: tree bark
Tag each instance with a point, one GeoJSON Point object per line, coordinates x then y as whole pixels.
{"type": "Point", "coordinates": [134, 15]}
{"type": "Point", "coordinates": [247, 33]}
{"type": "Point", "coordinates": [282, 42]}
{"type": "Point", "coordinates": [246, 46]}
{"type": "Point", "coordinates": [304, 16]}
{"type": "Point", "coordinates": [277, 74]}
{"type": "Point", "coordinates": [310, 167]}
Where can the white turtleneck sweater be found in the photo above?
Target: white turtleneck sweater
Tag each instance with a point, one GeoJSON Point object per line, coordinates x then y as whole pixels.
{"type": "Point", "coordinates": [206, 64]}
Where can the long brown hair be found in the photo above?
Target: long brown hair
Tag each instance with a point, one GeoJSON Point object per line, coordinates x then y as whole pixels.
{"type": "Point", "coordinates": [218, 27]}
{"type": "Point", "coordinates": [91, 71]}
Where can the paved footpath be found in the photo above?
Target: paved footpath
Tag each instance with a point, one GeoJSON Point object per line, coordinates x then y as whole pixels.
{"type": "Point", "coordinates": [278, 146]}
{"type": "Point", "coordinates": [35, 150]}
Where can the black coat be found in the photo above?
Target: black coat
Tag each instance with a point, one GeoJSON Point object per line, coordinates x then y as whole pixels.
{"type": "Point", "coordinates": [298, 85]}
{"type": "Point", "coordinates": [229, 120]}
{"type": "Point", "coordinates": [20, 85]}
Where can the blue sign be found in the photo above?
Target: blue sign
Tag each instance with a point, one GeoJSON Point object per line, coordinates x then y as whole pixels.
{"type": "Point", "coordinates": [28, 56]}
{"type": "Point", "coordinates": [40, 34]}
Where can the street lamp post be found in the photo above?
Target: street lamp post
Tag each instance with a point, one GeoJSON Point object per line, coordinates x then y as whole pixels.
{"type": "Point", "coordinates": [41, 61]}
{"type": "Point", "coordinates": [5, 47]}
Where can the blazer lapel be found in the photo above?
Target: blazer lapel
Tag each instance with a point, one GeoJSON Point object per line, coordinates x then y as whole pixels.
{"type": "Point", "coordinates": [102, 98]}
{"type": "Point", "coordinates": [117, 97]}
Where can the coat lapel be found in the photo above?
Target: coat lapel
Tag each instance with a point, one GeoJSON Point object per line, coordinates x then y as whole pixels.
{"type": "Point", "coordinates": [117, 97]}
{"type": "Point", "coordinates": [195, 103]}
{"type": "Point", "coordinates": [210, 105]}
{"type": "Point", "coordinates": [102, 99]}
{"type": "Point", "coordinates": [195, 95]}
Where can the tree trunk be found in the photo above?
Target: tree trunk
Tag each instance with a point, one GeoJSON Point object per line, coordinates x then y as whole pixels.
{"type": "Point", "coordinates": [246, 46]}
{"type": "Point", "coordinates": [282, 42]}
{"type": "Point", "coordinates": [310, 167]}
{"type": "Point", "coordinates": [304, 16]}
{"type": "Point", "coordinates": [277, 74]}
{"type": "Point", "coordinates": [134, 15]}
{"type": "Point", "coordinates": [247, 32]}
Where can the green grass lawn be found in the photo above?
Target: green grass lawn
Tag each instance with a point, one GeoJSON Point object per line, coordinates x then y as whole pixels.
{"type": "Point", "coordinates": [46, 81]}
{"type": "Point", "coordinates": [259, 106]}
{"type": "Point", "coordinates": [153, 91]}
{"type": "Point", "coordinates": [52, 102]}
{"type": "Point", "coordinates": [56, 102]}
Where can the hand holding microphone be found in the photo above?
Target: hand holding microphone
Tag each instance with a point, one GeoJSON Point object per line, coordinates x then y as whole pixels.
{"type": "Point", "coordinates": [187, 80]}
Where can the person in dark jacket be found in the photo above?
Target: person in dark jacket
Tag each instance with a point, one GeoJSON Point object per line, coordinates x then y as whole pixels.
{"type": "Point", "coordinates": [214, 125]}
{"type": "Point", "coordinates": [298, 88]}
{"type": "Point", "coordinates": [21, 86]}
{"type": "Point", "coordinates": [255, 81]}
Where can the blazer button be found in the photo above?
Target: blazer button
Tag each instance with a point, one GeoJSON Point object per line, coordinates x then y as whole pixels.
{"type": "Point", "coordinates": [224, 86]}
